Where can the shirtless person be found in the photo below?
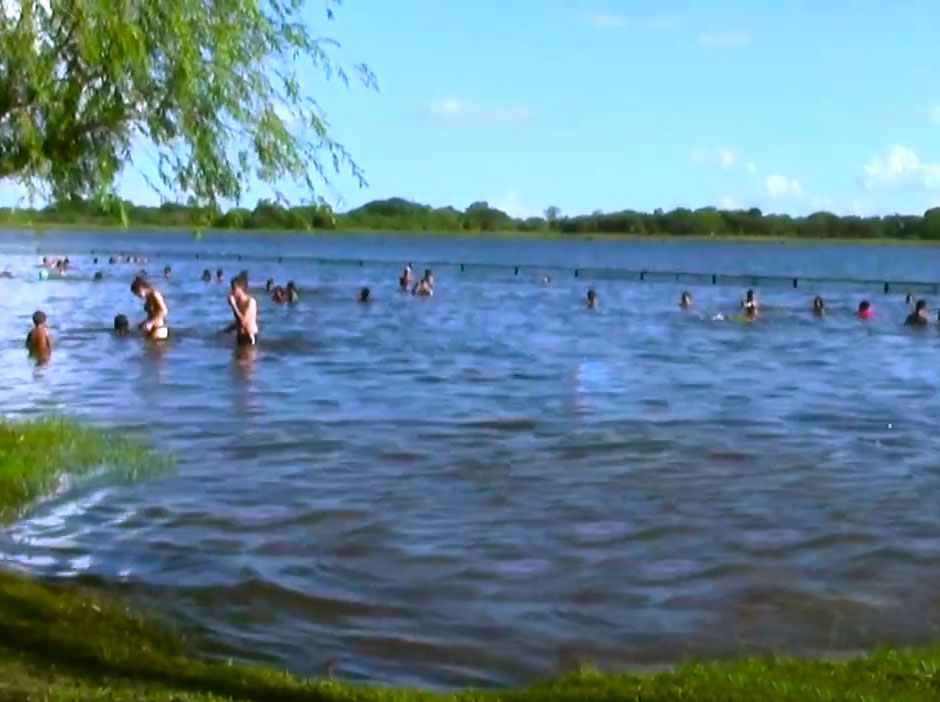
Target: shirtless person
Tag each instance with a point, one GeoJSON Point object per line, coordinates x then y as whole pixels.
{"type": "Point", "coordinates": [38, 340]}
{"type": "Point", "coordinates": [154, 327]}
{"type": "Point", "coordinates": [245, 309]}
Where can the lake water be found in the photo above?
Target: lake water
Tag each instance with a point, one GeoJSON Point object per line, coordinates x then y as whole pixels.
{"type": "Point", "coordinates": [490, 485]}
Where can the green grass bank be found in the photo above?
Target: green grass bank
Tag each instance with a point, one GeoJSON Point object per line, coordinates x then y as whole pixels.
{"type": "Point", "coordinates": [60, 642]}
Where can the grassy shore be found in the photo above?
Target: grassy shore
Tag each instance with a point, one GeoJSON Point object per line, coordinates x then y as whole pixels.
{"type": "Point", "coordinates": [61, 643]}
{"type": "Point", "coordinates": [461, 233]}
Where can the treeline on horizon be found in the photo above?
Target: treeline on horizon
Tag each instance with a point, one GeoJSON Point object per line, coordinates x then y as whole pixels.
{"type": "Point", "coordinates": [397, 214]}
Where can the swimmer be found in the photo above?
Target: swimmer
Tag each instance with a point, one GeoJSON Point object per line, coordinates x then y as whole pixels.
{"type": "Point", "coordinates": [66, 263]}
{"type": "Point", "coordinates": [547, 279]}
{"type": "Point", "coordinates": [166, 272]}
{"type": "Point", "coordinates": [750, 300]}
{"type": "Point", "coordinates": [591, 299]}
{"type": "Point", "coordinates": [112, 260]}
{"type": "Point", "coordinates": [269, 284]}
{"type": "Point", "coordinates": [38, 340]}
{"type": "Point", "coordinates": [864, 310]}
{"type": "Point", "coordinates": [364, 296]}
{"type": "Point", "coordinates": [291, 292]}
{"type": "Point", "coordinates": [121, 326]}
{"type": "Point", "coordinates": [909, 300]}
{"type": "Point", "coordinates": [45, 262]}
{"type": "Point", "coordinates": [154, 327]}
{"type": "Point", "coordinates": [685, 301]}
{"type": "Point", "coordinates": [406, 277]}
{"type": "Point", "coordinates": [206, 276]}
{"type": "Point", "coordinates": [245, 309]}
{"type": "Point", "coordinates": [422, 289]}
{"type": "Point", "coordinates": [219, 275]}
{"type": "Point", "coordinates": [95, 261]}
{"type": "Point", "coordinates": [918, 318]}
{"type": "Point", "coordinates": [99, 276]}
{"type": "Point", "coordinates": [819, 307]}
{"type": "Point", "coordinates": [279, 296]}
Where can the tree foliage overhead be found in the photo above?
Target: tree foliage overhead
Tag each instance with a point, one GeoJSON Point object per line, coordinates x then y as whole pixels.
{"type": "Point", "coordinates": [212, 85]}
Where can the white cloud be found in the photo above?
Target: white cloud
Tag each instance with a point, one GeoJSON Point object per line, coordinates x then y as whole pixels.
{"type": "Point", "coordinates": [899, 167]}
{"type": "Point", "coordinates": [603, 20]}
{"type": "Point", "coordinates": [510, 203]}
{"type": "Point", "coordinates": [724, 40]}
{"type": "Point", "coordinates": [452, 111]}
{"type": "Point", "coordinates": [779, 186]}
{"type": "Point", "coordinates": [727, 158]}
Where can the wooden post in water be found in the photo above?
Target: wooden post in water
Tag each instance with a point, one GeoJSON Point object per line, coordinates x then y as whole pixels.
{"type": "Point", "coordinates": [517, 270]}
{"type": "Point", "coordinates": [461, 268]}
{"type": "Point", "coordinates": [714, 279]}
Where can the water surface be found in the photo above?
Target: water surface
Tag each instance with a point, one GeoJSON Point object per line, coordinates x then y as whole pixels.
{"type": "Point", "coordinates": [493, 484]}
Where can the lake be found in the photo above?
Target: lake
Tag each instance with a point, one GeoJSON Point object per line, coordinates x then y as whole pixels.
{"type": "Point", "coordinates": [494, 484]}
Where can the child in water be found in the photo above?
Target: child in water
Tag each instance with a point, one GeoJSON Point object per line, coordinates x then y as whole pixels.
{"type": "Point", "coordinates": [279, 296]}
{"type": "Point", "coordinates": [291, 292]}
{"type": "Point", "coordinates": [364, 296]}
{"type": "Point", "coordinates": [121, 326]}
{"type": "Point", "coordinates": [591, 299]}
{"type": "Point", "coordinates": [685, 302]}
{"type": "Point", "coordinates": [918, 318]}
{"type": "Point", "coordinates": [819, 307]}
{"type": "Point", "coordinates": [245, 309]}
{"type": "Point", "coordinates": [864, 310]}
{"type": "Point", "coordinates": [38, 341]}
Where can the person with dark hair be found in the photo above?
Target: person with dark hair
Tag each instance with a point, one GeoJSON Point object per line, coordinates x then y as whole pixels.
{"type": "Point", "coordinates": [121, 325]}
{"type": "Point", "coordinates": [154, 326]}
{"type": "Point", "coordinates": [864, 310]}
{"type": "Point", "coordinates": [166, 272]}
{"type": "Point", "coordinates": [291, 292]}
{"type": "Point", "coordinates": [38, 341]}
{"type": "Point", "coordinates": [685, 301]}
{"type": "Point", "coordinates": [918, 318]}
{"type": "Point", "coordinates": [219, 275]}
{"type": "Point", "coordinates": [98, 276]}
{"type": "Point", "coordinates": [404, 282]}
{"type": "Point", "coordinates": [245, 309]}
{"type": "Point", "coordinates": [591, 299]}
{"type": "Point", "coordinates": [279, 296]}
{"type": "Point", "coordinates": [206, 276]}
{"type": "Point", "coordinates": [819, 307]}
{"type": "Point", "coordinates": [750, 304]}
{"type": "Point", "coordinates": [364, 296]}
{"type": "Point", "coordinates": [269, 285]}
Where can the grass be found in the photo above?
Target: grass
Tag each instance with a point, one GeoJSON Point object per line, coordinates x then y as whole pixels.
{"type": "Point", "coordinates": [62, 643]}
{"type": "Point", "coordinates": [37, 456]}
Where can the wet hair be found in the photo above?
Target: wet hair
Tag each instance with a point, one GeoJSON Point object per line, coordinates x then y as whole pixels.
{"type": "Point", "coordinates": [863, 305]}
{"type": "Point", "coordinates": [95, 260]}
{"type": "Point", "coordinates": [427, 272]}
{"type": "Point", "coordinates": [818, 302]}
{"type": "Point", "coordinates": [591, 295]}
{"type": "Point", "coordinates": [120, 323]}
{"type": "Point", "coordinates": [364, 295]}
{"type": "Point", "coordinates": [99, 275]}
{"type": "Point", "coordinates": [167, 269]}
{"type": "Point", "coordinates": [138, 285]}
{"type": "Point", "coordinates": [39, 317]}
{"type": "Point", "coordinates": [909, 299]}
{"type": "Point", "coordinates": [112, 260]}
{"type": "Point", "coordinates": [269, 284]}
{"type": "Point", "coordinates": [750, 295]}
{"type": "Point", "coordinates": [686, 295]}
{"type": "Point", "coordinates": [219, 273]}
{"type": "Point", "coordinates": [239, 282]}
{"type": "Point", "coordinates": [290, 285]}
{"type": "Point", "coordinates": [207, 274]}
{"type": "Point", "coordinates": [921, 305]}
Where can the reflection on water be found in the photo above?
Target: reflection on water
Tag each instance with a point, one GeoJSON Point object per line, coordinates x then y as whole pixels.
{"type": "Point", "coordinates": [484, 486]}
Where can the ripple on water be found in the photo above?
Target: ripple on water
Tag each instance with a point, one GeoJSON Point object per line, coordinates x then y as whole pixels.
{"type": "Point", "coordinates": [495, 484]}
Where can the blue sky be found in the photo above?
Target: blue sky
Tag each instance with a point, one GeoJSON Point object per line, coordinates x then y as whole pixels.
{"type": "Point", "coordinates": [788, 105]}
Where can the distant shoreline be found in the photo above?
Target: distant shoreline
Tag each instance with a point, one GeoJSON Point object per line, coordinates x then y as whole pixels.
{"type": "Point", "coordinates": [66, 228]}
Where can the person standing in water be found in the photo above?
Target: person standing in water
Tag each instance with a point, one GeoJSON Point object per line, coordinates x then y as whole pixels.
{"type": "Point", "coordinates": [206, 276]}
{"type": "Point", "coordinates": [290, 292]}
{"type": "Point", "coordinates": [750, 300]}
{"type": "Point", "coordinates": [591, 299]}
{"type": "Point", "coordinates": [819, 307]}
{"type": "Point", "coordinates": [364, 296]}
{"type": "Point", "coordinates": [245, 309]}
{"type": "Point", "coordinates": [154, 327]}
{"type": "Point", "coordinates": [38, 341]}
{"type": "Point", "coordinates": [918, 318]}
{"type": "Point", "coordinates": [685, 301]}
{"type": "Point", "coordinates": [864, 310]}
{"type": "Point", "coordinates": [406, 276]}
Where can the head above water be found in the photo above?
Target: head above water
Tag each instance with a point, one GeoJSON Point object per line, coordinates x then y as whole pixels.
{"type": "Point", "coordinates": [269, 284]}
{"type": "Point", "coordinates": [921, 306]}
{"type": "Point", "coordinates": [219, 274]}
{"type": "Point", "coordinates": [364, 295]}
{"type": "Point", "coordinates": [99, 275]}
{"type": "Point", "coordinates": [750, 296]}
{"type": "Point", "coordinates": [864, 306]}
{"type": "Point", "coordinates": [290, 286]}
{"type": "Point", "coordinates": [207, 275]}
{"type": "Point", "coordinates": [818, 303]}
{"type": "Point", "coordinates": [909, 299]}
{"type": "Point", "coordinates": [140, 286]}
{"type": "Point", "coordinates": [39, 317]}
{"type": "Point", "coordinates": [591, 295]}
{"type": "Point", "coordinates": [121, 325]}
{"type": "Point", "coordinates": [686, 298]}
